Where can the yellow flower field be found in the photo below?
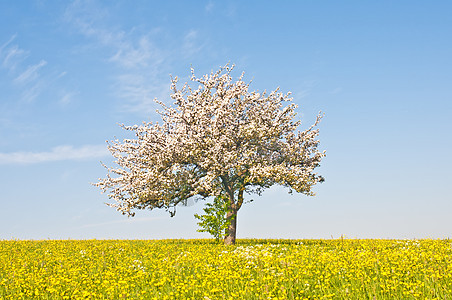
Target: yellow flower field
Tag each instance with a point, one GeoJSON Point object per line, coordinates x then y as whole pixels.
{"type": "Point", "coordinates": [201, 269]}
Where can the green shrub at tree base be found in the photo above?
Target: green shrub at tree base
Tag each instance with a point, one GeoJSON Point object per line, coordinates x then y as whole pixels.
{"type": "Point", "coordinates": [214, 220]}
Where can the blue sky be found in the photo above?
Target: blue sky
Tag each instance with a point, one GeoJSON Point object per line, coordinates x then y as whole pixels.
{"type": "Point", "coordinates": [70, 72]}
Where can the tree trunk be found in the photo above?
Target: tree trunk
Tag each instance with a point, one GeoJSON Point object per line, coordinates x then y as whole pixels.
{"type": "Point", "coordinates": [229, 239]}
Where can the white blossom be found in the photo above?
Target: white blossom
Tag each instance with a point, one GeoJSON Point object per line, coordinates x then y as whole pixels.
{"type": "Point", "coordinates": [217, 139]}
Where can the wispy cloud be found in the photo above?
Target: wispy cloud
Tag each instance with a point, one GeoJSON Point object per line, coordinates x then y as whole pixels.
{"type": "Point", "coordinates": [8, 42]}
{"type": "Point", "coordinates": [67, 98]}
{"type": "Point", "coordinates": [59, 153]}
{"type": "Point", "coordinates": [142, 55]}
{"type": "Point", "coordinates": [305, 89]}
{"type": "Point", "coordinates": [126, 49]}
{"type": "Point", "coordinates": [192, 44]}
{"type": "Point", "coordinates": [140, 93]}
{"type": "Point", "coordinates": [12, 55]}
{"type": "Point", "coordinates": [62, 74]}
{"type": "Point", "coordinates": [143, 66]}
{"type": "Point", "coordinates": [123, 221]}
{"type": "Point", "coordinates": [26, 76]}
{"type": "Point", "coordinates": [209, 6]}
{"type": "Point", "coordinates": [31, 73]}
{"type": "Point", "coordinates": [32, 91]}
{"type": "Point", "coordinates": [336, 91]}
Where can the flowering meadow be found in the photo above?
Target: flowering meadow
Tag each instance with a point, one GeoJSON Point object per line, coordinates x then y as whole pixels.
{"type": "Point", "coordinates": [201, 269]}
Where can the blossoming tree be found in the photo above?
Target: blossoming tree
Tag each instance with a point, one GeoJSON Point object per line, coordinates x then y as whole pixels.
{"type": "Point", "coordinates": [217, 140]}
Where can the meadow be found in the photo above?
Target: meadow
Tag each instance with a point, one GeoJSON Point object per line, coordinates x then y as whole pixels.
{"type": "Point", "coordinates": [201, 269]}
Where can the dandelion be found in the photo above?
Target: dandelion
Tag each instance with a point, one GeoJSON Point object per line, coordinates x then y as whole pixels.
{"type": "Point", "coordinates": [253, 269]}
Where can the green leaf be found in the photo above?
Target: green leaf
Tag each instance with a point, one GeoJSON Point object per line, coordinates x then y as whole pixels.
{"type": "Point", "coordinates": [214, 220]}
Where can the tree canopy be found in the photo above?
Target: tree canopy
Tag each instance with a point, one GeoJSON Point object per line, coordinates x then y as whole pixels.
{"type": "Point", "coordinates": [217, 140]}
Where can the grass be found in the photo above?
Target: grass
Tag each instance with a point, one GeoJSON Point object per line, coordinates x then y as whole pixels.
{"type": "Point", "coordinates": [201, 269]}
